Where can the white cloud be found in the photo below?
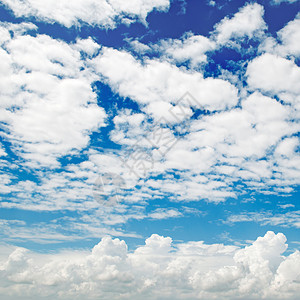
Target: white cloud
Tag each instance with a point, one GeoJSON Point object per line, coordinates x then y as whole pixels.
{"type": "Point", "coordinates": [254, 142]}
{"type": "Point", "coordinates": [288, 219]}
{"type": "Point", "coordinates": [194, 49]}
{"type": "Point", "coordinates": [277, 2]}
{"type": "Point", "coordinates": [102, 13]}
{"type": "Point", "coordinates": [190, 47]}
{"type": "Point", "coordinates": [284, 206]}
{"type": "Point", "coordinates": [248, 22]}
{"type": "Point", "coordinates": [287, 146]}
{"type": "Point", "coordinates": [2, 151]}
{"type": "Point", "coordinates": [159, 269]}
{"type": "Point", "coordinates": [289, 35]}
{"type": "Point", "coordinates": [138, 46]}
{"type": "Point", "coordinates": [273, 74]}
{"type": "Point", "coordinates": [285, 44]}
{"type": "Point", "coordinates": [156, 80]}
{"type": "Point", "coordinates": [48, 103]}
{"type": "Point", "coordinates": [160, 214]}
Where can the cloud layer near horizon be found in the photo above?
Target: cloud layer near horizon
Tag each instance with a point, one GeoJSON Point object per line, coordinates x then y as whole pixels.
{"type": "Point", "coordinates": [159, 269]}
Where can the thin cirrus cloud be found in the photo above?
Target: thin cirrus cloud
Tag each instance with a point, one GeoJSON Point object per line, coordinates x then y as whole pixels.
{"type": "Point", "coordinates": [288, 219]}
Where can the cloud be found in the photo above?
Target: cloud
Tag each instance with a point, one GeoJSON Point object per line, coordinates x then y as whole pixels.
{"type": "Point", "coordinates": [103, 13]}
{"type": "Point", "coordinates": [55, 84]}
{"type": "Point", "coordinates": [190, 47]}
{"type": "Point", "coordinates": [289, 36]}
{"type": "Point", "coordinates": [288, 219]}
{"type": "Point", "coordinates": [156, 80]}
{"type": "Point", "coordinates": [159, 269]}
{"type": "Point", "coordinates": [285, 44]}
{"type": "Point", "coordinates": [233, 136]}
{"type": "Point", "coordinates": [160, 214]}
{"type": "Point", "coordinates": [48, 104]}
{"type": "Point", "coordinates": [277, 2]}
{"type": "Point", "coordinates": [2, 151]}
{"type": "Point", "coordinates": [211, 156]}
{"type": "Point", "coordinates": [273, 74]}
{"type": "Point", "coordinates": [248, 22]}
{"type": "Point", "coordinates": [195, 50]}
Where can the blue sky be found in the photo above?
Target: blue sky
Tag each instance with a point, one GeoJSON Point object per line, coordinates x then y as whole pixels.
{"type": "Point", "coordinates": [133, 131]}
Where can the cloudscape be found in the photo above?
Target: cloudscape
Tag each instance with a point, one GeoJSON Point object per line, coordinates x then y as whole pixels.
{"type": "Point", "coordinates": [149, 149]}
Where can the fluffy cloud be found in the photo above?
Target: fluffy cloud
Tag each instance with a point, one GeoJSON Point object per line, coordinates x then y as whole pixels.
{"type": "Point", "coordinates": [286, 43]}
{"type": "Point", "coordinates": [208, 159]}
{"type": "Point", "coordinates": [102, 13]}
{"type": "Point", "coordinates": [248, 22]}
{"type": "Point", "coordinates": [191, 48]}
{"type": "Point", "coordinates": [48, 103]}
{"type": "Point", "coordinates": [159, 269]}
{"type": "Point", "coordinates": [195, 49]}
{"type": "Point", "coordinates": [289, 36]}
{"type": "Point", "coordinates": [156, 80]}
{"type": "Point", "coordinates": [212, 155]}
{"type": "Point", "coordinates": [273, 74]}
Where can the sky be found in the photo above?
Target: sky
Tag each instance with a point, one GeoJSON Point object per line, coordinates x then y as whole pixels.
{"type": "Point", "coordinates": [149, 149]}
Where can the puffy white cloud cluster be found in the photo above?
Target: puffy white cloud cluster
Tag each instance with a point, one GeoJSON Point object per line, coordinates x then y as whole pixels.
{"type": "Point", "coordinates": [104, 13]}
{"type": "Point", "coordinates": [50, 111]}
{"type": "Point", "coordinates": [191, 48]}
{"type": "Point", "coordinates": [249, 137]}
{"type": "Point", "coordinates": [248, 22]}
{"type": "Point", "coordinates": [285, 44]}
{"type": "Point", "coordinates": [157, 81]}
{"type": "Point", "coordinates": [47, 102]}
{"type": "Point", "coordinates": [157, 270]}
{"type": "Point", "coordinates": [274, 74]}
{"type": "Point", "coordinates": [253, 140]}
{"type": "Point", "coordinates": [261, 150]}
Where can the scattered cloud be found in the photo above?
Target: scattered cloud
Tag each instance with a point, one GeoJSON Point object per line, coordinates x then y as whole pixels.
{"type": "Point", "coordinates": [277, 2]}
{"type": "Point", "coordinates": [103, 13]}
{"type": "Point", "coordinates": [48, 105]}
{"type": "Point", "coordinates": [288, 219]}
{"type": "Point", "coordinates": [248, 22]}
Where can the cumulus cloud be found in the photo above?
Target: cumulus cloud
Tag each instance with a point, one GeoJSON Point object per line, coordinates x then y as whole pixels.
{"type": "Point", "coordinates": [156, 80]}
{"type": "Point", "coordinates": [273, 74]}
{"type": "Point", "coordinates": [211, 154]}
{"type": "Point", "coordinates": [195, 50]}
{"type": "Point", "coordinates": [102, 13]}
{"type": "Point", "coordinates": [208, 159]}
{"type": "Point", "coordinates": [286, 42]}
{"type": "Point", "coordinates": [248, 22]}
{"type": "Point", "coordinates": [245, 135]}
{"type": "Point", "coordinates": [190, 47]}
{"type": "Point", "coordinates": [289, 36]}
{"type": "Point", "coordinates": [48, 104]}
{"type": "Point", "coordinates": [159, 269]}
